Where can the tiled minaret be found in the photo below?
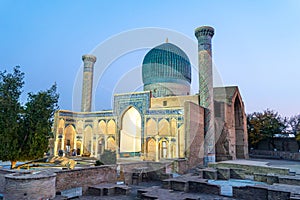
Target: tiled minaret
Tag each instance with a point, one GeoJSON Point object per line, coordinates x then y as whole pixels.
{"type": "Point", "coordinates": [87, 83]}
{"type": "Point", "coordinates": [204, 35]}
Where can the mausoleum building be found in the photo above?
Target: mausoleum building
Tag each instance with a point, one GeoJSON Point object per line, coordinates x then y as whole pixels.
{"type": "Point", "coordinates": [165, 121]}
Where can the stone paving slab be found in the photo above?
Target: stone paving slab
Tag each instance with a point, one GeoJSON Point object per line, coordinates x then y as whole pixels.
{"type": "Point", "coordinates": [174, 195]}
{"type": "Point", "coordinates": [295, 189]}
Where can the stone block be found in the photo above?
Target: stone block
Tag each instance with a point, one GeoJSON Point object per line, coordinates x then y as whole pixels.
{"type": "Point", "coordinates": [180, 185]}
{"type": "Point", "coordinates": [260, 177]}
{"type": "Point", "coordinates": [223, 173]}
{"type": "Point", "coordinates": [204, 187]}
{"type": "Point", "coordinates": [166, 184]}
{"type": "Point", "coordinates": [93, 191]}
{"type": "Point", "coordinates": [278, 195]}
{"type": "Point", "coordinates": [271, 179]}
{"type": "Point", "coordinates": [236, 173]}
{"type": "Point", "coordinates": [108, 191]}
{"type": "Point", "coordinates": [72, 193]}
{"type": "Point", "coordinates": [289, 180]}
{"type": "Point", "coordinates": [250, 192]}
{"type": "Point", "coordinates": [209, 173]}
{"type": "Point", "coordinates": [295, 197]}
{"type": "Point", "coordinates": [122, 190]}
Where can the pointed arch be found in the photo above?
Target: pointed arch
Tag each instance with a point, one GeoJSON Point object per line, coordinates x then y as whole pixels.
{"type": "Point", "coordinates": [78, 145]}
{"type": "Point", "coordinates": [111, 127]}
{"type": "Point", "coordinates": [163, 148]}
{"type": "Point", "coordinates": [130, 134]}
{"type": "Point", "coordinates": [239, 129]}
{"type": "Point", "coordinates": [163, 127]}
{"type": "Point", "coordinates": [151, 149]}
{"type": "Point", "coordinates": [111, 144]}
{"type": "Point", "coordinates": [151, 128]}
{"type": "Point", "coordinates": [69, 138]}
{"type": "Point", "coordinates": [102, 127]}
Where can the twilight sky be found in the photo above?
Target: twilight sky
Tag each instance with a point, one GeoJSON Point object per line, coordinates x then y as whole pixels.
{"type": "Point", "coordinates": [256, 44]}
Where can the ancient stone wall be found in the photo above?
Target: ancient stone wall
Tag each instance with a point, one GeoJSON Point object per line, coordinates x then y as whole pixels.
{"type": "Point", "coordinates": [274, 154]}
{"type": "Point", "coordinates": [281, 144]}
{"type": "Point", "coordinates": [154, 170]}
{"type": "Point", "coordinates": [3, 173]}
{"type": "Point", "coordinates": [85, 177]}
{"type": "Point", "coordinates": [36, 185]}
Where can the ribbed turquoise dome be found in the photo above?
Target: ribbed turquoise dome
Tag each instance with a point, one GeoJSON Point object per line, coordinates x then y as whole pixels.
{"type": "Point", "coordinates": [166, 63]}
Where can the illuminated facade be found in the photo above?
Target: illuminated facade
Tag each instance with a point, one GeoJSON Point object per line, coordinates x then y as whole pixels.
{"type": "Point", "coordinates": [164, 121]}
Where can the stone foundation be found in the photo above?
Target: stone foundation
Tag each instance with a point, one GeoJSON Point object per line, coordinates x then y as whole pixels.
{"type": "Point", "coordinates": [37, 185]}
{"type": "Point", "coordinates": [85, 177]}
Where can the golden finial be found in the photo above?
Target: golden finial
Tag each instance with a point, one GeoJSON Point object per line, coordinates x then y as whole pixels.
{"type": "Point", "coordinates": [167, 40]}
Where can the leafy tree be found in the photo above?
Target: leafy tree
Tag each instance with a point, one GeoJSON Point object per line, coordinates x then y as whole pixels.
{"type": "Point", "coordinates": [10, 114]}
{"type": "Point", "coordinates": [294, 123]}
{"type": "Point", "coordinates": [25, 130]}
{"type": "Point", "coordinates": [37, 122]}
{"type": "Point", "coordinates": [265, 125]}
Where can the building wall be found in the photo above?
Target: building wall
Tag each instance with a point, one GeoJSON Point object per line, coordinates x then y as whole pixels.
{"type": "Point", "coordinates": [173, 101]}
{"type": "Point", "coordinates": [168, 89]}
{"type": "Point", "coordinates": [231, 128]}
{"type": "Point", "coordinates": [85, 132]}
{"type": "Point", "coordinates": [194, 133]}
{"type": "Point", "coordinates": [167, 126]}
{"type": "Point", "coordinates": [85, 177]}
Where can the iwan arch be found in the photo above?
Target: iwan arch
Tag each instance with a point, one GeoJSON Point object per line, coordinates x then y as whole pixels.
{"type": "Point", "coordinates": [164, 121]}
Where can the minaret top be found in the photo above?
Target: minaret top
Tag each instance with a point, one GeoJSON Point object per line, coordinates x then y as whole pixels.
{"type": "Point", "coordinates": [89, 57]}
{"type": "Point", "coordinates": [204, 31]}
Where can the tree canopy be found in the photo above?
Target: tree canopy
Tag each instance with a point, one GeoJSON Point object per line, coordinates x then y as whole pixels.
{"type": "Point", "coordinates": [295, 126]}
{"type": "Point", "coordinates": [265, 125]}
{"type": "Point", "coordinates": [24, 129]}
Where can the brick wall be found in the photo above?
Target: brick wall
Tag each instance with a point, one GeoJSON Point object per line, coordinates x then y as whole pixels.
{"type": "Point", "coordinates": [155, 170]}
{"type": "Point", "coordinates": [85, 177]}
{"type": "Point", "coordinates": [194, 129]}
{"type": "Point", "coordinates": [275, 154]}
{"type": "Point", "coordinates": [3, 173]}
{"type": "Point", "coordinates": [21, 186]}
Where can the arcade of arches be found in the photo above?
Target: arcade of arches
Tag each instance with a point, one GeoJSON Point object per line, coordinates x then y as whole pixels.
{"type": "Point", "coordinates": [160, 133]}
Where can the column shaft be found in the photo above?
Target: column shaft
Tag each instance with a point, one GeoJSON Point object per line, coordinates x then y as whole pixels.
{"type": "Point", "coordinates": [204, 35]}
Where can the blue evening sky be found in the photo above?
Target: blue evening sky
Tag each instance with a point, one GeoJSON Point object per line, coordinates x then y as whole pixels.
{"type": "Point", "coordinates": [256, 44]}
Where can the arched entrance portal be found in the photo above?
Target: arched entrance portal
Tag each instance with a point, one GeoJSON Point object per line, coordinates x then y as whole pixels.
{"type": "Point", "coordinates": [69, 139]}
{"type": "Point", "coordinates": [130, 136]}
{"type": "Point", "coordinates": [239, 130]}
{"type": "Point", "coordinates": [151, 149]}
